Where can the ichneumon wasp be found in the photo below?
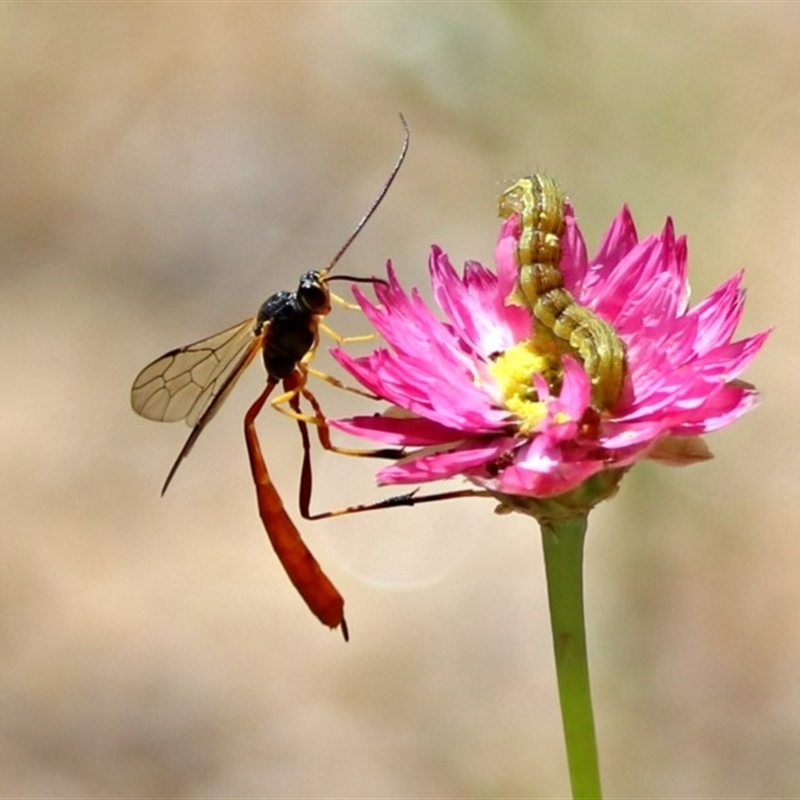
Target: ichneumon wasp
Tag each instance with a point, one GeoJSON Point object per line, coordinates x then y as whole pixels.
{"type": "Point", "coordinates": [190, 383]}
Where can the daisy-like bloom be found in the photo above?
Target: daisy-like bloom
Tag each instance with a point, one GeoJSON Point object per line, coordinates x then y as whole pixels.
{"type": "Point", "coordinates": [472, 395]}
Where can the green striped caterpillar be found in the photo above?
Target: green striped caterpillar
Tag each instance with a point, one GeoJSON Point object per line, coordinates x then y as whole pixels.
{"type": "Point", "coordinates": [561, 321]}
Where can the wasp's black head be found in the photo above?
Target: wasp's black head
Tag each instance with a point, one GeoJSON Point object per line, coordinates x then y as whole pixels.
{"type": "Point", "coordinates": [313, 294]}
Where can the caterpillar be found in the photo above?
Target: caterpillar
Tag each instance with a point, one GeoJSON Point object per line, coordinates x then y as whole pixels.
{"type": "Point", "coordinates": [561, 321]}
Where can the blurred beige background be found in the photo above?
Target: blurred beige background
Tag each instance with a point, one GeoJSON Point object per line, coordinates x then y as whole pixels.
{"type": "Point", "coordinates": [165, 168]}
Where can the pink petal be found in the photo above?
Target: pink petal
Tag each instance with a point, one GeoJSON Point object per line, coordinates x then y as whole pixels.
{"type": "Point", "coordinates": [403, 431]}
{"type": "Point", "coordinates": [446, 464]}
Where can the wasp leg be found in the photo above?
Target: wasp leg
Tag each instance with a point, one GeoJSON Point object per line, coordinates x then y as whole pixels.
{"type": "Point", "coordinates": [306, 477]}
{"type": "Point", "coordinates": [339, 339]}
{"type": "Point", "coordinates": [395, 501]}
{"type": "Point", "coordinates": [324, 376]}
{"type": "Point", "coordinates": [342, 303]}
{"type": "Point", "coordinates": [320, 595]}
{"type": "Point", "coordinates": [288, 404]}
{"type": "Point", "coordinates": [324, 432]}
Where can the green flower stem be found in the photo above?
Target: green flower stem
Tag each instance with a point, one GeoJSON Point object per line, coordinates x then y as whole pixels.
{"type": "Point", "coordinates": [563, 555]}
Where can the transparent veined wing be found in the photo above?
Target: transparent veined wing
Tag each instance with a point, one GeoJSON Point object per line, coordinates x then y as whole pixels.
{"type": "Point", "coordinates": [192, 382]}
{"type": "Point", "coordinates": [181, 383]}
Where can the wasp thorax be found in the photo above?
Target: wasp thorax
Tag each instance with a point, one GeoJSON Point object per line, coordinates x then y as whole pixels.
{"type": "Point", "coordinates": [313, 294]}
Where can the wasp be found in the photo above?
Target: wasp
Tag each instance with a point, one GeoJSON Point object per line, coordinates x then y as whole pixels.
{"type": "Point", "coordinates": [190, 383]}
{"type": "Point", "coordinates": [562, 322]}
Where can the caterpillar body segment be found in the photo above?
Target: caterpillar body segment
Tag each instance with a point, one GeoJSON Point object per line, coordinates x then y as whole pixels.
{"type": "Point", "coordinates": [560, 322]}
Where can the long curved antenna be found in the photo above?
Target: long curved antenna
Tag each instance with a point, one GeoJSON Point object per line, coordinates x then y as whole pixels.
{"type": "Point", "coordinates": [363, 221]}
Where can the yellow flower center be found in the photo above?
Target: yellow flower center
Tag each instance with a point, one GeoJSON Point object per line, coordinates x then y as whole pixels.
{"type": "Point", "coordinates": [513, 371]}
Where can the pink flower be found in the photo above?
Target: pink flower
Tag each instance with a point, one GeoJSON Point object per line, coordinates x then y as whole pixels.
{"type": "Point", "coordinates": [472, 397]}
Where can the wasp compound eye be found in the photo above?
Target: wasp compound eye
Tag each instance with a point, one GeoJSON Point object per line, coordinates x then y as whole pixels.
{"type": "Point", "coordinates": [313, 294]}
